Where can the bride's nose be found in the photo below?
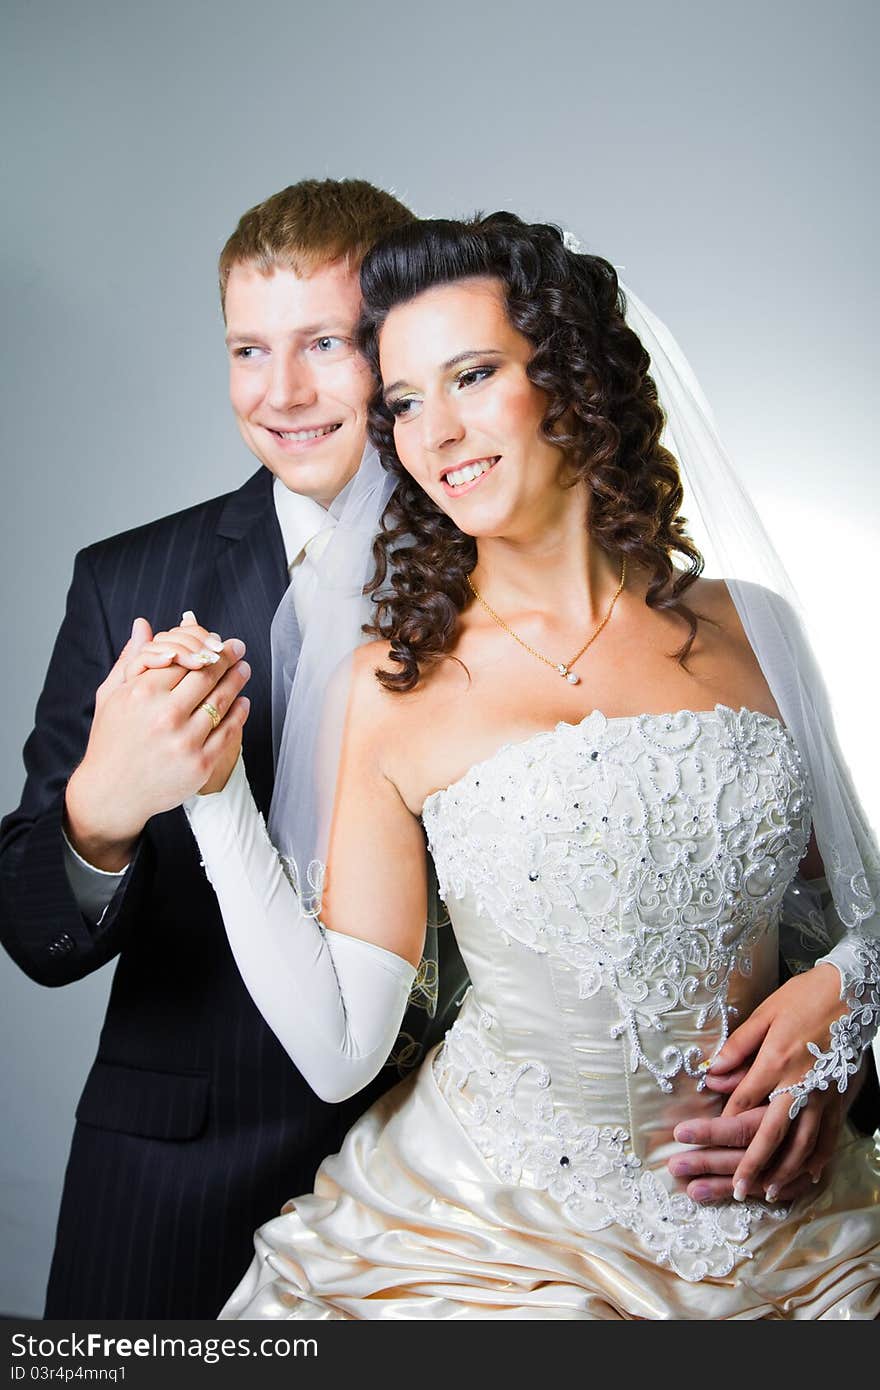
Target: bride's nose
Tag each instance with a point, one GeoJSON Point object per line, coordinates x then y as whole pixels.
{"type": "Point", "coordinates": [441, 425]}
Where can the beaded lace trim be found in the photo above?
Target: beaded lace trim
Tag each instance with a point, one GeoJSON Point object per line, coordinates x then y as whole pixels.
{"type": "Point", "coordinates": [850, 1034]}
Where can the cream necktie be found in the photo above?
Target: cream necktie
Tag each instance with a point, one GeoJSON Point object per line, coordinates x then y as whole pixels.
{"type": "Point", "coordinates": [305, 574]}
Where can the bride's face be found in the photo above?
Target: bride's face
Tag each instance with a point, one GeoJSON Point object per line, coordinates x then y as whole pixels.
{"type": "Point", "coordinates": [467, 417]}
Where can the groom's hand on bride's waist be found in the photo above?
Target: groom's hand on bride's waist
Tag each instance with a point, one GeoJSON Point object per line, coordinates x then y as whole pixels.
{"type": "Point", "coordinates": [719, 1146]}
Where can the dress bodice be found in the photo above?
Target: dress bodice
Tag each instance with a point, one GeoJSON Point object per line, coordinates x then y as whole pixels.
{"type": "Point", "coordinates": [615, 886]}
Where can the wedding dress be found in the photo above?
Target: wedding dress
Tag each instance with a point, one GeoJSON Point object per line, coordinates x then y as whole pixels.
{"type": "Point", "coordinates": [616, 888]}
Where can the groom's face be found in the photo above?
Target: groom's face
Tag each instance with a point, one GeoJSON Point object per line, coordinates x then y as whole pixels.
{"type": "Point", "coordinates": [298, 385]}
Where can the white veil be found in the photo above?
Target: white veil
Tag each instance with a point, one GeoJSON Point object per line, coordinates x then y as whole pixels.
{"type": "Point", "coordinates": [727, 529]}
{"type": "Point", "coordinates": [310, 680]}
{"type": "Point", "coordinates": [309, 706]}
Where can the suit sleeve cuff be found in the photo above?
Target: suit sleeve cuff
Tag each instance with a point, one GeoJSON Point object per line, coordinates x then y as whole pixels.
{"type": "Point", "coordinates": [93, 889]}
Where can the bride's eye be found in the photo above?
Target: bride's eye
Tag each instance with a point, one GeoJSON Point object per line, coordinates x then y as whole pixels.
{"type": "Point", "coordinates": [401, 407]}
{"type": "Point", "coordinates": [474, 375]}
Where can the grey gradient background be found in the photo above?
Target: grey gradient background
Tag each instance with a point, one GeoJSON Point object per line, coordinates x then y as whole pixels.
{"type": "Point", "coordinates": [721, 154]}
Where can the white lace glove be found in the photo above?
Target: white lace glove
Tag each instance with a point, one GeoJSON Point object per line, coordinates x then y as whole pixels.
{"type": "Point", "coordinates": [334, 1002]}
{"type": "Point", "coordinates": [857, 957]}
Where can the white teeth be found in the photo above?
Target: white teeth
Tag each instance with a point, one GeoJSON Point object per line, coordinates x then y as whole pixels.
{"type": "Point", "coordinates": [300, 435]}
{"type": "Point", "coordinates": [469, 472]}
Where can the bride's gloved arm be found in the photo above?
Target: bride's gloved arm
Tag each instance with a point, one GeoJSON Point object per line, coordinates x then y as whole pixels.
{"type": "Point", "coordinates": [333, 998]}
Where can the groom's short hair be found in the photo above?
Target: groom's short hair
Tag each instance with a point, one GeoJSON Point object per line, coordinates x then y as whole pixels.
{"type": "Point", "coordinates": [310, 225]}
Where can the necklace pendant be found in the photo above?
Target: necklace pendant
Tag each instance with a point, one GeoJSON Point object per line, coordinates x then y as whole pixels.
{"type": "Point", "coordinates": [559, 667]}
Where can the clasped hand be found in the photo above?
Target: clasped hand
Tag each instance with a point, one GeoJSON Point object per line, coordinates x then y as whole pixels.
{"type": "Point", "coordinates": [152, 743]}
{"type": "Point", "coordinates": [206, 677]}
{"type": "Point", "coordinates": [766, 1153]}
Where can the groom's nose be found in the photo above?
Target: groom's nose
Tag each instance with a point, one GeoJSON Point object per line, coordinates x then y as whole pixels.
{"type": "Point", "coordinates": [291, 383]}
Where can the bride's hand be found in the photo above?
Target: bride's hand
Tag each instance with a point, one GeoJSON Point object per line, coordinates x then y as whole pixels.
{"type": "Point", "coordinates": [189, 645]}
{"type": "Point", "coordinates": [768, 1051]}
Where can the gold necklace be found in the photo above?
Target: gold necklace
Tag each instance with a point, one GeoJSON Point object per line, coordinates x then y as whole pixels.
{"type": "Point", "coordinates": [562, 667]}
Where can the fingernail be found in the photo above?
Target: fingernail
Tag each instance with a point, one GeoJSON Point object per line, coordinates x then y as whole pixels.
{"type": "Point", "coordinates": [739, 1191]}
{"type": "Point", "coordinates": [189, 617]}
{"type": "Point", "coordinates": [684, 1135]}
{"type": "Point", "coordinates": [214, 643]}
{"type": "Point", "coordinates": [237, 647]}
{"type": "Point", "coordinates": [772, 1192]}
{"type": "Point", "coordinates": [678, 1167]}
{"type": "Point", "coordinates": [817, 1177]}
{"type": "Point", "coordinates": [700, 1191]}
{"type": "Point", "coordinates": [207, 658]}
{"type": "Point", "coordinates": [133, 626]}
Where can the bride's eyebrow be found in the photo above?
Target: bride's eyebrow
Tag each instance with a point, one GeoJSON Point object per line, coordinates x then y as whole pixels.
{"type": "Point", "coordinates": [455, 361]}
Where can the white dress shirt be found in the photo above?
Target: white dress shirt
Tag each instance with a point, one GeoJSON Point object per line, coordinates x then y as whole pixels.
{"type": "Point", "coordinates": [301, 520]}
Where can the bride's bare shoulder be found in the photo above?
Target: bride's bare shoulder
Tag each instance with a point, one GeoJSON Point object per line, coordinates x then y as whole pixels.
{"type": "Point", "coordinates": [712, 595]}
{"type": "Point", "coordinates": [367, 661]}
{"type": "Point", "coordinates": [371, 702]}
{"type": "Point", "coordinates": [712, 598]}
{"type": "Point", "coordinates": [386, 729]}
{"type": "Point", "coordinates": [392, 710]}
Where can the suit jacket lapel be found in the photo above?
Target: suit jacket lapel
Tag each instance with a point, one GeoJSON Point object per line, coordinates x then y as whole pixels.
{"type": "Point", "coordinates": [250, 579]}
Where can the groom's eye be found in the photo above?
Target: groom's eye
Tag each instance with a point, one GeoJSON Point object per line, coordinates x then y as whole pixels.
{"type": "Point", "coordinates": [328, 343]}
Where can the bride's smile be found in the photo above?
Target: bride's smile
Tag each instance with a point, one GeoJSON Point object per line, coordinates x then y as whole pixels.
{"type": "Point", "coordinates": [465, 476]}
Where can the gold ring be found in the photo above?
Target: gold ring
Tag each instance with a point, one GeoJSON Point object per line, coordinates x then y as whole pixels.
{"type": "Point", "coordinates": [212, 712]}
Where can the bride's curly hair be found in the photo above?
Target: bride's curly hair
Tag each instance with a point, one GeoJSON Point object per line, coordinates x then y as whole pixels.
{"type": "Point", "coordinates": [602, 411]}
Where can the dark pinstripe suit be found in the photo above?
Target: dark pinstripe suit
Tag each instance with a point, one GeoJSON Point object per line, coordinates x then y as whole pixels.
{"type": "Point", "coordinates": [194, 1126]}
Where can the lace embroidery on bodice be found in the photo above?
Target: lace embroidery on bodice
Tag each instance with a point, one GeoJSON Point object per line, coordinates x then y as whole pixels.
{"type": "Point", "coordinates": [509, 1110]}
{"type": "Point", "coordinates": [644, 859]}
{"type": "Point", "coordinates": [648, 853]}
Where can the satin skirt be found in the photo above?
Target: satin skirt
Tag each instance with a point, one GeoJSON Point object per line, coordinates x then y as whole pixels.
{"type": "Point", "coordinates": [409, 1222]}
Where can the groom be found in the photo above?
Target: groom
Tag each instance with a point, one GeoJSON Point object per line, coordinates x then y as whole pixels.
{"type": "Point", "coordinates": [194, 1126]}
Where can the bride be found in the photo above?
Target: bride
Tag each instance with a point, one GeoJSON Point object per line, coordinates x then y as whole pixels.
{"type": "Point", "coordinates": [617, 796]}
